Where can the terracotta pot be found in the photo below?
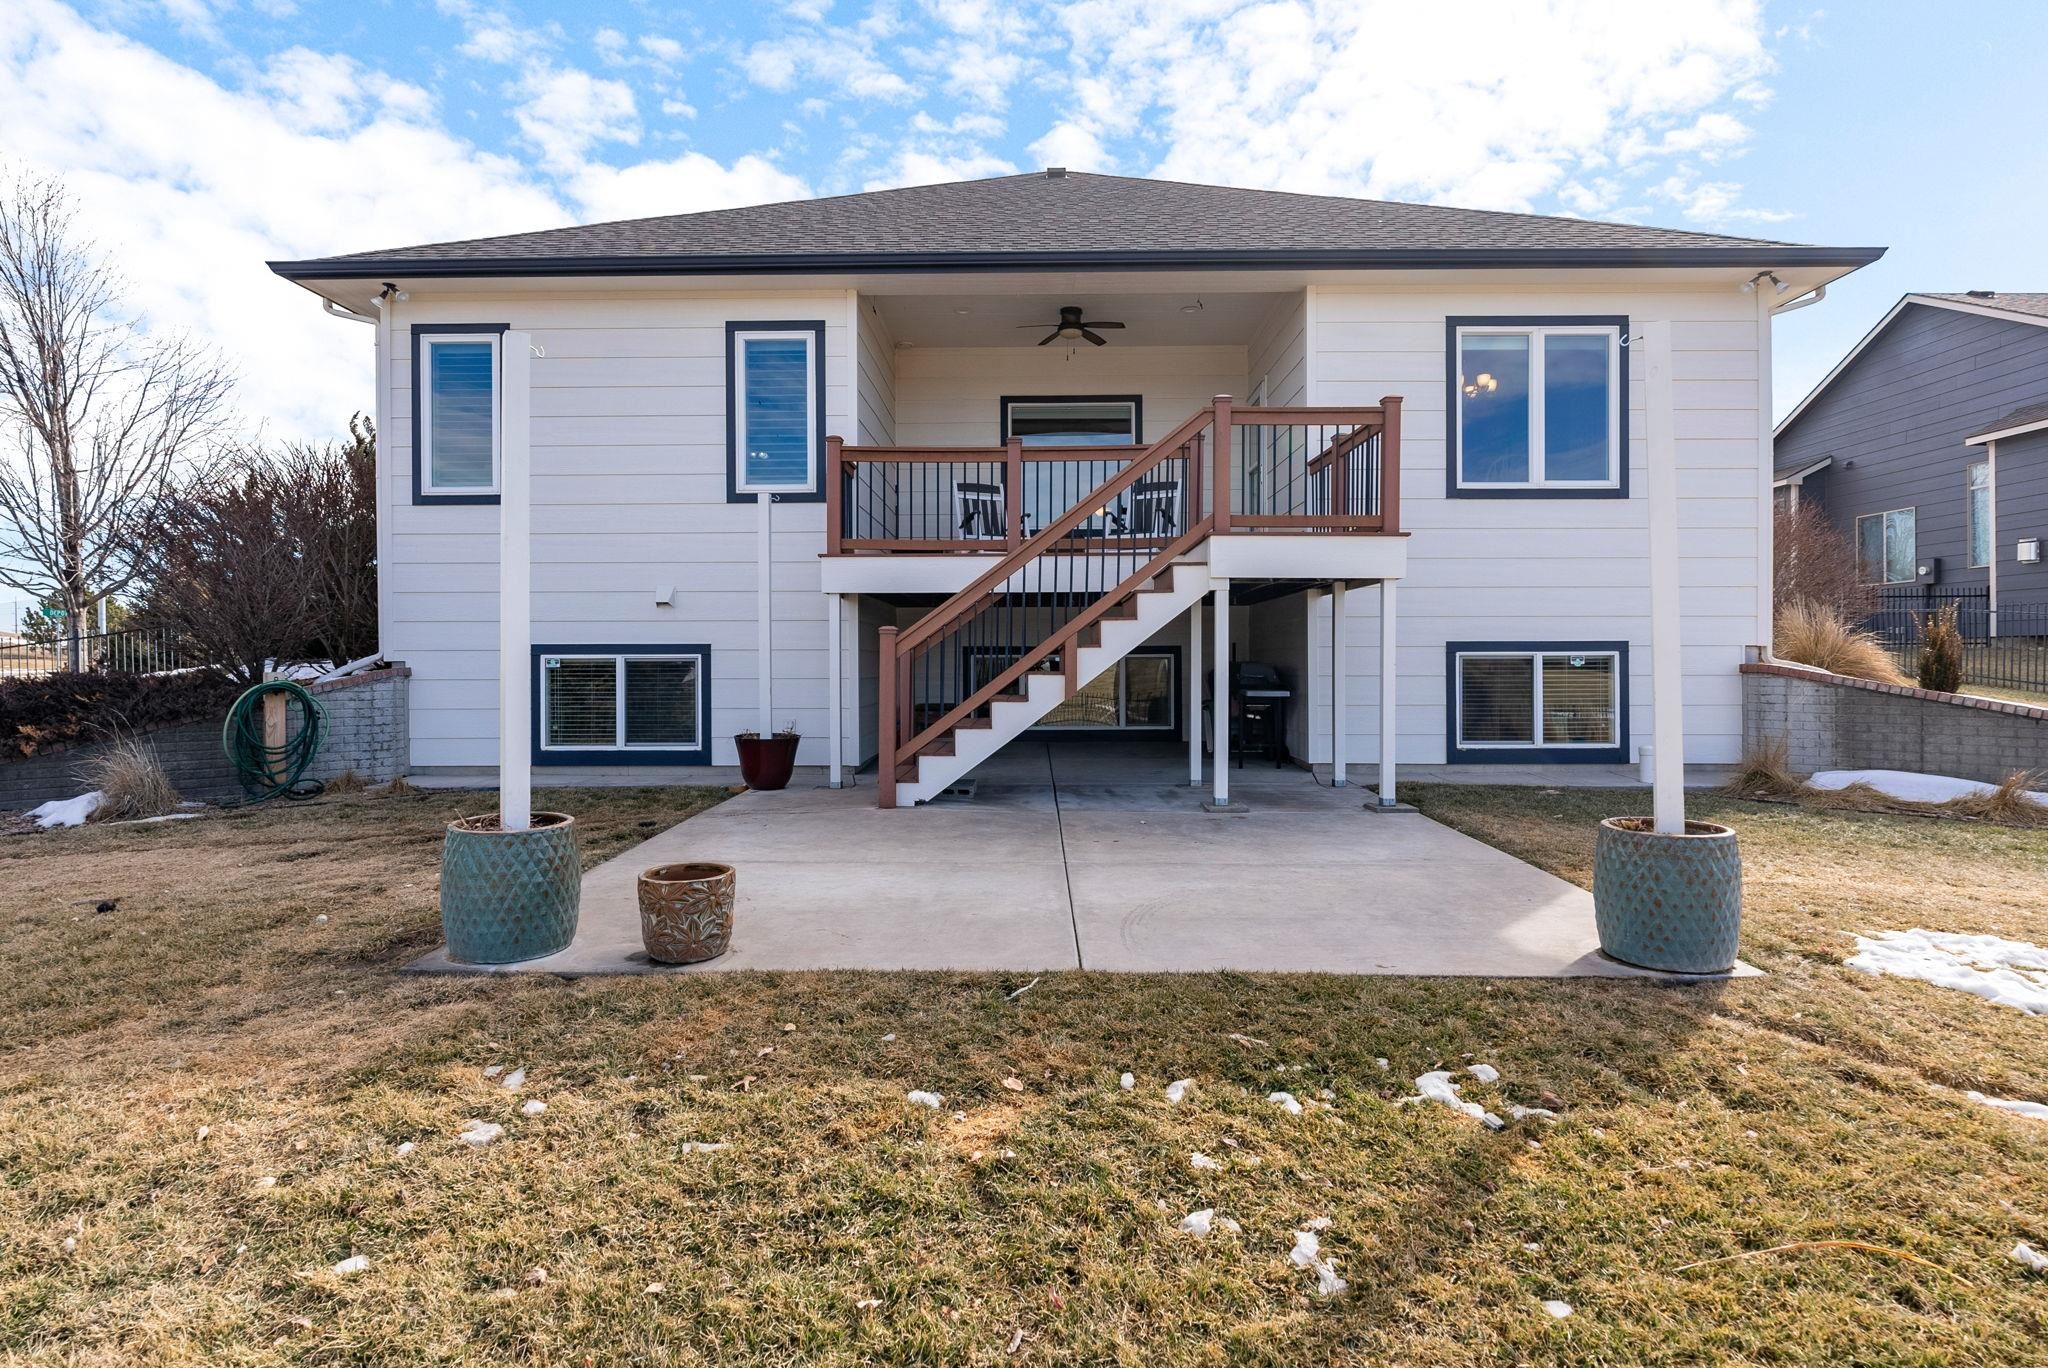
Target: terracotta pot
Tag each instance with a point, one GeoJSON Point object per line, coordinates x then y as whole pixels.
{"type": "Point", "coordinates": [686, 911]}
{"type": "Point", "coordinates": [766, 761]}
{"type": "Point", "coordinates": [1668, 901]}
{"type": "Point", "coordinates": [509, 895]}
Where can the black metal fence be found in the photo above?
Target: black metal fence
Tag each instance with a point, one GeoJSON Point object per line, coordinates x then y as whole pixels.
{"type": "Point", "coordinates": [2009, 651]}
{"type": "Point", "coordinates": [133, 652]}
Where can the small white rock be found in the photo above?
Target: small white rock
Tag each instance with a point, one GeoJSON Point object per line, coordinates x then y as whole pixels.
{"type": "Point", "coordinates": [71, 1244]}
{"type": "Point", "coordinates": [354, 1263]}
{"type": "Point", "coordinates": [1178, 1089]}
{"type": "Point", "coordinates": [320, 919]}
{"type": "Point", "coordinates": [205, 1131]}
{"type": "Point", "coordinates": [926, 1099]}
{"type": "Point", "coordinates": [533, 1108]}
{"type": "Point", "coordinates": [1532, 1246]}
{"type": "Point", "coordinates": [405, 1148]}
{"type": "Point", "coordinates": [2028, 1257]}
{"type": "Point", "coordinates": [1558, 1309]}
{"type": "Point", "coordinates": [477, 1134]}
{"type": "Point", "coordinates": [1199, 1160]}
{"type": "Point", "coordinates": [1286, 1102]}
{"type": "Point", "coordinates": [1381, 1061]}
{"type": "Point", "coordinates": [1127, 1082]}
{"type": "Point", "coordinates": [266, 1181]}
{"type": "Point", "coordinates": [655, 1289]}
{"type": "Point", "coordinates": [889, 1037]}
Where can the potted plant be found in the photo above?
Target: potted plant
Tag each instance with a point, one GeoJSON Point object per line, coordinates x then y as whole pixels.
{"type": "Point", "coordinates": [766, 761]}
{"type": "Point", "coordinates": [686, 911]}
{"type": "Point", "coordinates": [509, 895]}
{"type": "Point", "coordinates": [1668, 900]}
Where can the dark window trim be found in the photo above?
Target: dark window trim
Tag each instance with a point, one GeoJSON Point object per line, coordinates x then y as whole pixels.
{"type": "Point", "coordinates": [638, 755]}
{"type": "Point", "coordinates": [1536, 754]}
{"type": "Point", "coordinates": [1452, 489]}
{"type": "Point", "coordinates": [733, 326]}
{"type": "Point", "coordinates": [1136, 401]}
{"type": "Point", "coordinates": [420, 495]}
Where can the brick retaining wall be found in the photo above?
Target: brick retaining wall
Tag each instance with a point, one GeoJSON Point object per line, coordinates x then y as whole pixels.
{"type": "Point", "coordinates": [367, 731]}
{"type": "Point", "coordinates": [1828, 721]}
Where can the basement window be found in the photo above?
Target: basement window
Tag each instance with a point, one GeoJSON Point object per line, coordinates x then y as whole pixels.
{"type": "Point", "coordinates": [1513, 702]}
{"type": "Point", "coordinates": [632, 705]}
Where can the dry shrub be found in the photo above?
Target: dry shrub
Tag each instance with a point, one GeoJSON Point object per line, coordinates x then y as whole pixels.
{"type": "Point", "coordinates": [2007, 805]}
{"type": "Point", "coordinates": [348, 781]}
{"type": "Point", "coordinates": [1941, 650]}
{"type": "Point", "coordinates": [399, 788]}
{"type": "Point", "coordinates": [130, 780]}
{"type": "Point", "coordinates": [1764, 773]}
{"type": "Point", "coordinates": [1809, 633]}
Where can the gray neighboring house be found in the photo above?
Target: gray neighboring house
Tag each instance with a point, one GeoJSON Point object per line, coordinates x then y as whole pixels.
{"type": "Point", "coordinates": [1928, 444]}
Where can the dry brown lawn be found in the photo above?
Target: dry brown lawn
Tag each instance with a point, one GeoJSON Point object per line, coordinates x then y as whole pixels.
{"type": "Point", "coordinates": [204, 1092]}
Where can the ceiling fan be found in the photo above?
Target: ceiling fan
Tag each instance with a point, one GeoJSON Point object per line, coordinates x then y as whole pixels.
{"type": "Point", "coordinates": [1072, 328]}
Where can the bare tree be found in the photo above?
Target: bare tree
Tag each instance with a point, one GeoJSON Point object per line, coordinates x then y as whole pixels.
{"type": "Point", "coordinates": [1815, 562]}
{"type": "Point", "coordinates": [95, 412]}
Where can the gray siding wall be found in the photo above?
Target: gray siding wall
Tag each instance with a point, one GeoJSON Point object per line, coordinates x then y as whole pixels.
{"type": "Point", "coordinates": [1895, 421]}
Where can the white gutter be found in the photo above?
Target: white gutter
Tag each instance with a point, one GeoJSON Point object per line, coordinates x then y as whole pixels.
{"type": "Point", "coordinates": [1814, 296]}
{"type": "Point", "coordinates": [334, 310]}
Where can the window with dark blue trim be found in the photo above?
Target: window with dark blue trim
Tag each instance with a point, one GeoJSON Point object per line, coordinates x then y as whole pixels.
{"type": "Point", "coordinates": [456, 422]}
{"type": "Point", "coordinates": [775, 423]}
{"type": "Point", "coordinates": [1512, 702]}
{"type": "Point", "coordinates": [628, 704]}
{"type": "Point", "coordinates": [1538, 407]}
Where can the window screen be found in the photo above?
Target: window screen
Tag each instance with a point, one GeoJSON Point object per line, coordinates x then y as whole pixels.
{"type": "Point", "coordinates": [1496, 700]}
{"type": "Point", "coordinates": [461, 427]}
{"type": "Point", "coordinates": [1578, 700]}
{"type": "Point", "coordinates": [776, 420]}
{"type": "Point", "coordinates": [661, 702]}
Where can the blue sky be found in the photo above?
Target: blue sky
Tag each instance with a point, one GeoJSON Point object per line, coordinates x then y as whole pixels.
{"type": "Point", "coordinates": [202, 136]}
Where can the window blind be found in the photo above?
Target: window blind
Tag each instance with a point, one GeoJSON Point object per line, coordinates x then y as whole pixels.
{"type": "Point", "coordinates": [461, 432]}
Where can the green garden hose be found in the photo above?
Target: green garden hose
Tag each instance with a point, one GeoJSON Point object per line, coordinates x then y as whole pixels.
{"type": "Point", "coordinates": [268, 771]}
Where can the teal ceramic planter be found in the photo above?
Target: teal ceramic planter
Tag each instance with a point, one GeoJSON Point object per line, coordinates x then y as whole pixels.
{"type": "Point", "coordinates": [1668, 901]}
{"type": "Point", "coordinates": [509, 895]}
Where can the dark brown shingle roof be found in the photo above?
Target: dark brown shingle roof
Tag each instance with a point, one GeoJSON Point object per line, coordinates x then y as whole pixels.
{"type": "Point", "coordinates": [2023, 416]}
{"type": "Point", "coordinates": [1043, 219]}
{"type": "Point", "coordinates": [2036, 304]}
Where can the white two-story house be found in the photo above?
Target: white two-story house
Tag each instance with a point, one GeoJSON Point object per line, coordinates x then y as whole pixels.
{"type": "Point", "coordinates": [923, 471]}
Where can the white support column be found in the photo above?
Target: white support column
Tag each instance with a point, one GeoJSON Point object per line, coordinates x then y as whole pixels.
{"type": "Point", "coordinates": [515, 583]}
{"type": "Point", "coordinates": [1667, 680]}
{"type": "Point", "coordinates": [835, 613]}
{"type": "Point", "coordinates": [1192, 689]}
{"type": "Point", "coordinates": [1338, 686]}
{"type": "Point", "coordinates": [764, 607]}
{"type": "Point", "coordinates": [853, 746]}
{"type": "Point", "coordinates": [1389, 675]}
{"type": "Point", "coordinates": [1219, 722]}
{"type": "Point", "coordinates": [1991, 498]}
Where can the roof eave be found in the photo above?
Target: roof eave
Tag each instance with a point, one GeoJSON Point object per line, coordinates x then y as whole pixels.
{"type": "Point", "coordinates": [1638, 258]}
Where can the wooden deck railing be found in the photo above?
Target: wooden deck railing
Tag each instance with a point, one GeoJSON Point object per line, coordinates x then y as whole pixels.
{"type": "Point", "coordinates": [1260, 468]}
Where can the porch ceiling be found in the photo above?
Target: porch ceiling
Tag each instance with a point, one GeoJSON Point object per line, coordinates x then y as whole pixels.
{"type": "Point", "coordinates": [1156, 319]}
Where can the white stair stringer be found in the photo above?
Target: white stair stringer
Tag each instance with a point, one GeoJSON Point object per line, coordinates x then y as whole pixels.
{"type": "Point", "coordinates": [1009, 718]}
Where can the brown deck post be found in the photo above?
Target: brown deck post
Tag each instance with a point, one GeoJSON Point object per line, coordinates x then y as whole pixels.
{"type": "Point", "coordinates": [1194, 479]}
{"type": "Point", "coordinates": [1013, 494]}
{"type": "Point", "coordinates": [1340, 484]}
{"type": "Point", "coordinates": [1390, 465]}
{"type": "Point", "coordinates": [885, 720]}
{"type": "Point", "coordinates": [833, 494]}
{"type": "Point", "coordinates": [1221, 478]}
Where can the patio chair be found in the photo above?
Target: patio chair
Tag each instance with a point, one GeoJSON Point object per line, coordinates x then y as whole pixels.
{"type": "Point", "coordinates": [978, 510]}
{"type": "Point", "coordinates": [1154, 508]}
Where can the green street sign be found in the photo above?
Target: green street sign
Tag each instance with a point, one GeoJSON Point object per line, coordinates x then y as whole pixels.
{"type": "Point", "coordinates": [53, 612]}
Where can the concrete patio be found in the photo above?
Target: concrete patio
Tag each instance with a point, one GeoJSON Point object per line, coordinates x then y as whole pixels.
{"type": "Point", "coordinates": [1074, 856]}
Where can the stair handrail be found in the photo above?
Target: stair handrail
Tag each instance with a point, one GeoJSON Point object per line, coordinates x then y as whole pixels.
{"type": "Point", "coordinates": [953, 609]}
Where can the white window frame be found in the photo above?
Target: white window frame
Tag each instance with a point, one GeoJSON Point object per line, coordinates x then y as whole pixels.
{"type": "Point", "coordinates": [425, 399]}
{"type": "Point", "coordinates": [1617, 388]}
{"type": "Point", "coordinates": [740, 483]}
{"type": "Point", "coordinates": [1970, 488]}
{"type": "Point", "coordinates": [619, 659]}
{"type": "Point", "coordinates": [1535, 741]}
{"type": "Point", "coordinates": [1884, 545]}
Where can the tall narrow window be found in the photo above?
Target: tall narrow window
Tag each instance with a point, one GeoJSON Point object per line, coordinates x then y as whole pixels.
{"type": "Point", "coordinates": [775, 420]}
{"type": "Point", "coordinates": [1539, 407]}
{"type": "Point", "coordinates": [458, 429]}
{"type": "Point", "coordinates": [1886, 547]}
{"type": "Point", "coordinates": [1977, 511]}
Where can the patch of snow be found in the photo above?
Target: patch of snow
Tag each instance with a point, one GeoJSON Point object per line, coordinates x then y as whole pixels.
{"type": "Point", "coordinates": [514, 1081]}
{"type": "Point", "coordinates": [2011, 973]}
{"type": "Point", "coordinates": [2033, 1109]}
{"type": "Point", "coordinates": [1286, 1102]}
{"type": "Point", "coordinates": [926, 1099]}
{"type": "Point", "coordinates": [1178, 1089]}
{"type": "Point", "coordinates": [1910, 787]}
{"type": "Point", "coordinates": [701, 1146]}
{"type": "Point", "coordinates": [1233, 1227]}
{"type": "Point", "coordinates": [66, 812]}
{"type": "Point", "coordinates": [1197, 1222]}
{"type": "Point", "coordinates": [1518, 1112]}
{"type": "Point", "coordinates": [889, 1037]}
{"type": "Point", "coordinates": [406, 1148]}
{"type": "Point", "coordinates": [1436, 1086]}
{"type": "Point", "coordinates": [1485, 1073]}
{"type": "Point", "coordinates": [493, 1070]}
{"type": "Point", "coordinates": [354, 1263]}
{"type": "Point", "coordinates": [1381, 1061]}
{"type": "Point", "coordinates": [533, 1108]}
{"type": "Point", "coordinates": [868, 1304]}
{"type": "Point", "coordinates": [1558, 1309]}
{"type": "Point", "coordinates": [1199, 1160]}
{"type": "Point", "coordinates": [477, 1134]}
{"type": "Point", "coordinates": [2028, 1257]}
{"type": "Point", "coordinates": [1307, 1253]}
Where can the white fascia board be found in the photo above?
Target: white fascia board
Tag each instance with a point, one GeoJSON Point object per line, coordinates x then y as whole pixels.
{"type": "Point", "coordinates": [2040, 425]}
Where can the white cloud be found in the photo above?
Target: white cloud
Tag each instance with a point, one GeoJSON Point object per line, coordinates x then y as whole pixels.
{"type": "Point", "coordinates": [1712, 201]}
{"type": "Point", "coordinates": [838, 60]}
{"type": "Point", "coordinates": [666, 51]}
{"type": "Point", "coordinates": [1072, 146]}
{"type": "Point", "coordinates": [309, 155]}
{"type": "Point", "coordinates": [564, 113]}
{"type": "Point", "coordinates": [913, 167]}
